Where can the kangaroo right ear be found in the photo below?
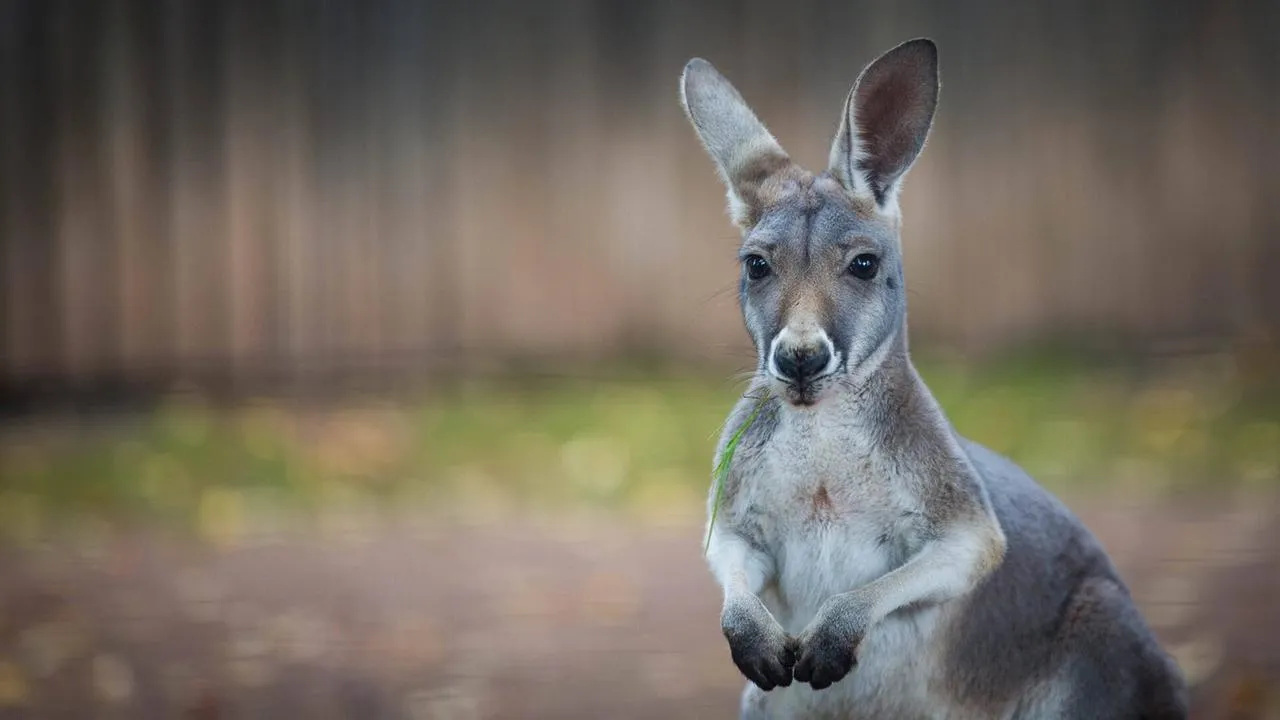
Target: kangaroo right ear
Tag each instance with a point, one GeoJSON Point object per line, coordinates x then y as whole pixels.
{"type": "Point", "coordinates": [745, 154]}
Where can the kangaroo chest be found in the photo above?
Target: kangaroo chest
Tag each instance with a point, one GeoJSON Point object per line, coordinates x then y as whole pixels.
{"type": "Point", "coordinates": [828, 513]}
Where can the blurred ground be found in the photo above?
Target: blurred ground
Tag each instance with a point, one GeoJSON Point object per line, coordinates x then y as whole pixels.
{"type": "Point", "coordinates": [513, 618]}
{"type": "Point", "coordinates": [531, 549]}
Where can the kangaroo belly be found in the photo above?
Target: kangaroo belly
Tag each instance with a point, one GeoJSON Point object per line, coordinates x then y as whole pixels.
{"type": "Point", "coordinates": [823, 560]}
{"type": "Point", "coordinates": [839, 543]}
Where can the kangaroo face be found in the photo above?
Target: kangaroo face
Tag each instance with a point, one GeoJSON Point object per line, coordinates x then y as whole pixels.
{"type": "Point", "coordinates": [822, 288]}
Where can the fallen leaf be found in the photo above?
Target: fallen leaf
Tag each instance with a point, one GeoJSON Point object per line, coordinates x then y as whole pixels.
{"type": "Point", "coordinates": [13, 685]}
{"type": "Point", "coordinates": [112, 679]}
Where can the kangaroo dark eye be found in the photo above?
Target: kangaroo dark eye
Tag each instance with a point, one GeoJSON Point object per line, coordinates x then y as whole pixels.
{"type": "Point", "coordinates": [757, 267]}
{"type": "Point", "coordinates": [864, 266]}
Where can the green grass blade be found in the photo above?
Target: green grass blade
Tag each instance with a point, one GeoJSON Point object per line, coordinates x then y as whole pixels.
{"type": "Point", "coordinates": [726, 460]}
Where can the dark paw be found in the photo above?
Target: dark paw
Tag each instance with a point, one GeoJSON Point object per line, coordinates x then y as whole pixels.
{"type": "Point", "coordinates": [760, 649]}
{"type": "Point", "coordinates": [825, 657]}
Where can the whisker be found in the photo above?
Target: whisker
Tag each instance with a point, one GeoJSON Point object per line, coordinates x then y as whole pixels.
{"type": "Point", "coordinates": [718, 294]}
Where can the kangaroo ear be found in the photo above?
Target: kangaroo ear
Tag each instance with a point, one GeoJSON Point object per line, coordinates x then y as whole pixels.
{"type": "Point", "coordinates": [745, 154]}
{"type": "Point", "coordinates": [886, 120]}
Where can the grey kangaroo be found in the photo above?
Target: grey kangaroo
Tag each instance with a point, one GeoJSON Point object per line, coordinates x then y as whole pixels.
{"type": "Point", "coordinates": [876, 564]}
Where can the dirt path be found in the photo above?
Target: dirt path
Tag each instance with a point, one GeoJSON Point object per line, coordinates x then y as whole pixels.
{"type": "Point", "coordinates": [514, 619]}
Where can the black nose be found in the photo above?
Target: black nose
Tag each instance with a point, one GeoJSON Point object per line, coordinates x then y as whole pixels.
{"type": "Point", "coordinates": [801, 364]}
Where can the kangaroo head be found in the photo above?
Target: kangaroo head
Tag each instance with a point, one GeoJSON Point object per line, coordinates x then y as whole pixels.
{"type": "Point", "coordinates": [822, 289]}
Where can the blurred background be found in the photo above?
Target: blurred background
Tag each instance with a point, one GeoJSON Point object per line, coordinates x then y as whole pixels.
{"type": "Point", "coordinates": [366, 360]}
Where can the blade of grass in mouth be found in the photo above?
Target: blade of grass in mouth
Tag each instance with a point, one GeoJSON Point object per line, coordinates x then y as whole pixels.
{"type": "Point", "coordinates": [726, 460]}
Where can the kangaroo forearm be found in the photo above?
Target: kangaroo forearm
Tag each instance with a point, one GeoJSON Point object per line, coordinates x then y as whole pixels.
{"type": "Point", "coordinates": [947, 568]}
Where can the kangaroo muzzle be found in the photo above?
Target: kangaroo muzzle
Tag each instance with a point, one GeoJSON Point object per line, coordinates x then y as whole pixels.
{"type": "Point", "coordinates": [799, 359]}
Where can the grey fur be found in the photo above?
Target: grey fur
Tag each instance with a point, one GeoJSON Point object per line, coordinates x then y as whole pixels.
{"type": "Point", "coordinates": [874, 562]}
{"type": "Point", "coordinates": [759, 647]}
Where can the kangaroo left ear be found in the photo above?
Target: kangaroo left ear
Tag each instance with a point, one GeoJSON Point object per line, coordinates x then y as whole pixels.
{"type": "Point", "coordinates": [886, 120]}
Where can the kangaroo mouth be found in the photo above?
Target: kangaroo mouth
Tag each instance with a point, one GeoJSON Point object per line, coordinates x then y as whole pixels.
{"type": "Point", "coordinates": [803, 394]}
{"type": "Point", "coordinates": [808, 392]}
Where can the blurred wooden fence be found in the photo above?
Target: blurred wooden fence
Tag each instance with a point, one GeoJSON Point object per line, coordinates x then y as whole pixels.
{"type": "Point", "coordinates": [285, 185]}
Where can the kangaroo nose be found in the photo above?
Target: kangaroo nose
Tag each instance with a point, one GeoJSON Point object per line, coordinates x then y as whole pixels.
{"type": "Point", "coordinates": [801, 364]}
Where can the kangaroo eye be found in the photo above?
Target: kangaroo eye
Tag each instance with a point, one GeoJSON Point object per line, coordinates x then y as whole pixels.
{"type": "Point", "coordinates": [864, 266]}
{"type": "Point", "coordinates": [757, 267]}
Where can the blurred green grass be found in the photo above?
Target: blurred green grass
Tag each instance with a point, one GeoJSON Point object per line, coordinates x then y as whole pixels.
{"type": "Point", "coordinates": [634, 442]}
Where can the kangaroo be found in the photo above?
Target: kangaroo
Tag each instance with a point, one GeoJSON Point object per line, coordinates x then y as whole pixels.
{"type": "Point", "coordinates": [865, 549]}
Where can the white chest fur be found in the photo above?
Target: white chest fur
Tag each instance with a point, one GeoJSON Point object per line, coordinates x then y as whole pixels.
{"type": "Point", "coordinates": [826, 512]}
{"type": "Point", "coordinates": [830, 517]}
